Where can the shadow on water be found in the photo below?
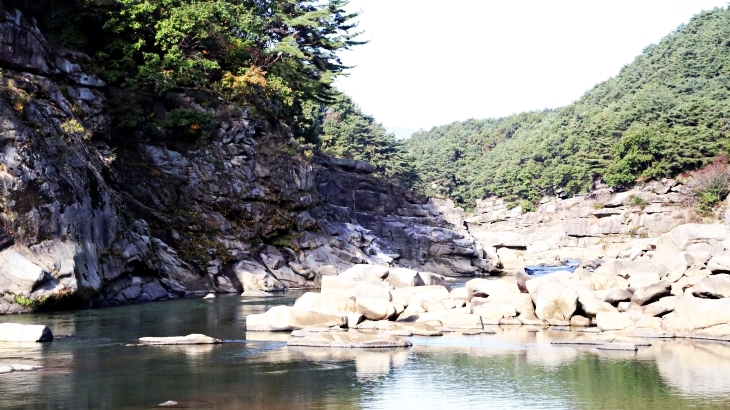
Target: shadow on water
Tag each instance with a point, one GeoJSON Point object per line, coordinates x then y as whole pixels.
{"type": "Point", "coordinates": [90, 367]}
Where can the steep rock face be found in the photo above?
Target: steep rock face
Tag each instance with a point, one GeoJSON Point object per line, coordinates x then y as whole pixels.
{"type": "Point", "coordinates": [410, 227]}
{"type": "Point", "coordinates": [62, 233]}
{"type": "Point", "coordinates": [91, 218]}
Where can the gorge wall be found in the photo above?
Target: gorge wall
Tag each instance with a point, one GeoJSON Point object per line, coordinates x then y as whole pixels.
{"type": "Point", "coordinates": [92, 218]}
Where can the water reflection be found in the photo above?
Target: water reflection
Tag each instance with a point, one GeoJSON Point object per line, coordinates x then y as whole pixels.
{"type": "Point", "coordinates": [515, 368]}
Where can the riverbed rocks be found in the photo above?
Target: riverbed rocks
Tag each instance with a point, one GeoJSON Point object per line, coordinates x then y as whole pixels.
{"type": "Point", "coordinates": [16, 332]}
{"type": "Point", "coordinates": [350, 340]}
{"type": "Point", "coordinates": [192, 339]}
{"type": "Point", "coordinates": [651, 293]}
{"type": "Point", "coordinates": [712, 287]}
{"type": "Point", "coordinates": [286, 318]}
{"type": "Point", "coordinates": [619, 299]}
{"type": "Point", "coordinates": [10, 368]}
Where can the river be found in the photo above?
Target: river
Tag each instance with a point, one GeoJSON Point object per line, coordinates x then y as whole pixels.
{"type": "Point", "coordinates": [90, 366]}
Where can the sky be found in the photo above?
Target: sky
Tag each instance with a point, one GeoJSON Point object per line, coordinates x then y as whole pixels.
{"type": "Point", "coordinates": [433, 62]}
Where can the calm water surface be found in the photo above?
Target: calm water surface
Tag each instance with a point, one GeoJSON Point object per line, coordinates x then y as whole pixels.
{"type": "Point", "coordinates": [89, 366]}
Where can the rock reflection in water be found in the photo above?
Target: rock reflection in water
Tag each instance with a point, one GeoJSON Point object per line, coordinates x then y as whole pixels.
{"type": "Point", "coordinates": [514, 368]}
{"type": "Point", "coordinates": [695, 367]}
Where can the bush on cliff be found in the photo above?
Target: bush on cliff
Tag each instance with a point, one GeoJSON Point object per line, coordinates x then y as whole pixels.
{"type": "Point", "coordinates": [275, 55]}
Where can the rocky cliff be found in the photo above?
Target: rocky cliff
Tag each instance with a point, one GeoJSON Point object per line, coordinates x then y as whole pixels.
{"type": "Point", "coordinates": [94, 217]}
{"type": "Point", "coordinates": [603, 223]}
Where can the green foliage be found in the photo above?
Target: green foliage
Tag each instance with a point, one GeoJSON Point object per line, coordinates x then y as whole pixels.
{"type": "Point", "coordinates": [348, 133]}
{"type": "Point", "coordinates": [527, 206]}
{"type": "Point", "coordinates": [25, 302]}
{"type": "Point", "coordinates": [666, 113]}
{"type": "Point", "coordinates": [187, 123]}
{"type": "Point", "coordinates": [274, 54]}
{"type": "Point", "coordinates": [636, 200]}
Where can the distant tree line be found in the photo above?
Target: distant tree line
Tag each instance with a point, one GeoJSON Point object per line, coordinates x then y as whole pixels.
{"type": "Point", "coordinates": [666, 113]}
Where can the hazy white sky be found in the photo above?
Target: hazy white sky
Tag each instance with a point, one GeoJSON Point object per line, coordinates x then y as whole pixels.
{"type": "Point", "coordinates": [432, 62]}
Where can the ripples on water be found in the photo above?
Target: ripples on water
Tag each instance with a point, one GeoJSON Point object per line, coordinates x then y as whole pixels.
{"type": "Point", "coordinates": [91, 367]}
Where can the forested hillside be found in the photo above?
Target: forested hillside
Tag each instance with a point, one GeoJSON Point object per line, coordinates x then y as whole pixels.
{"type": "Point", "coordinates": [666, 113]}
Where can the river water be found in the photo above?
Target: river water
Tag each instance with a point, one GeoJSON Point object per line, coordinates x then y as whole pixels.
{"type": "Point", "coordinates": [89, 366]}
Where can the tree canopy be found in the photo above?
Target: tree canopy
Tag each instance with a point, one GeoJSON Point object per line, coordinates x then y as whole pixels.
{"type": "Point", "coordinates": [277, 54]}
{"type": "Point", "coordinates": [348, 133]}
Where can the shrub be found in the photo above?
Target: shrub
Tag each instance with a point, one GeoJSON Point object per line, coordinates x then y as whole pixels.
{"type": "Point", "coordinates": [188, 123]}
{"type": "Point", "coordinates": [527, 206]}
{"type": "Point", "coordinates": [711, 184]}
{"type": "Point", "coordinates": [636, 200]}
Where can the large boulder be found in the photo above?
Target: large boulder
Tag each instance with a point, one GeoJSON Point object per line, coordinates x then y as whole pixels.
{"type": "Point", "coordinates": [614, 321]}
{"type": "Point", "coordinates": [19, 272]}
{"type": "Point", "coordinates": [712, 287]}
{"type": "Point", "coordinates": [719, 332]}
{"type": "Point", "coordinates": [287, 318]}
{"type": "Point", "coordinates": [616, 295]}
{"type": "Point", "coordinates": [652, 293]}
{"type": "Point", "coordinates": [434, 279]}
{"type": "Point", "coordinates": [506, 308]}
{"type": "Point", "coordinates": [443, 314]}
{"type": "Point", "coordinates": [553, 300]}
{"type": "Point", "coordinates": [374, 308]}
{"type": "Point", "coordinates": [414, 296]}
{"type": "Point", "coordinates": [686, 282]}
{"type": "Point", "coordinates": [192, 339]}
{"type": "Point", "coordinates": [326, 302]}
{"type": "Point", "coordinates": [628, 268]}
{"type": "Point", "coordinates": [459, 293]}
{"type": "Point", "coordinates": [490, 287]}
{"type": "Point", "coordinates": [489, 315]}
{"type": "Point", "coordinates": [682, 237]}
{"type": "Point", "coordinates": [254, 276]}
{"type": "Point", "coordinates": [644, 279]}
{"type": "Point", "coordinates": [467, 321]}
{"type": "Point", "coordinates": [369, 290]}
{"type": "Point", "coordinates": [367, 273]}
{"type": "Point", "coordinates": [605, 281]}
{"type": "Point", "coordinates": [719, 263]}
{"type": "Point", "coordinates": [404, 277]}
{"type": "Point", "coordinates": [676, 271]}
{"type": "Point", "coordinates": [692, 314]}
{"type": "Point", "coordinates": [433, 305]}
{"type": "Point", "coordinates": [337, 283]}
{"type": "Point", "coordinates": [16, 332]}
{"type": "Point", "coordinates": [592, 306]}
{"type": "Point", "coordinates": [661, 307]}
{"type": "Point", "coordinates": [350, 339]}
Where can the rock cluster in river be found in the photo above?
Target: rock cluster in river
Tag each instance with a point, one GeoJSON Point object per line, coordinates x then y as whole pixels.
{"type": "Point", "coordinates": [680, 287]}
